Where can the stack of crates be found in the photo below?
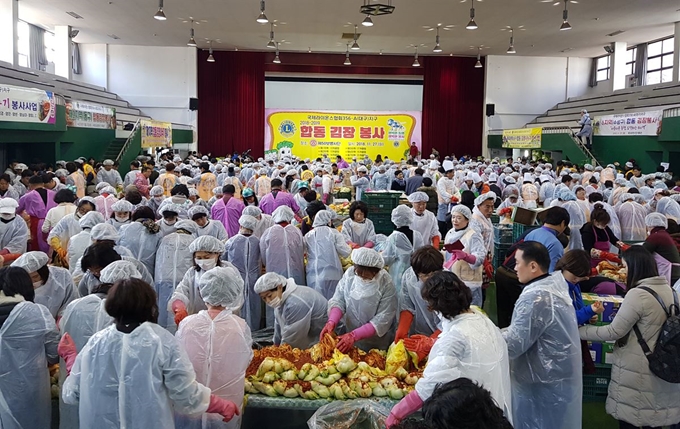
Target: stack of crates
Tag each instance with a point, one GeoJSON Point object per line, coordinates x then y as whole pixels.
{"type": "Point", "coordinates": [503, 240]}
{"type": "Point", "coordinates": [380, 206]}
{"type": "Point", "coordinates": [595, 386]}
{"type": "Point", "coordinates": [518, 229]}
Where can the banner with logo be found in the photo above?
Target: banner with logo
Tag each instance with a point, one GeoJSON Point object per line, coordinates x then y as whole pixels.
{"type": "Point", "coordinates": [522, 138]}
{"type": "Point", "coordinates": [156, 134]}
{"type": "Point", "coordinates": [18, 104]}
{"type": "Point", "coordinates": [629, 124]}
{"type": "Point", "coordinates": [81, 114]}
{"type": "Point", "coordinates": [312, 134]}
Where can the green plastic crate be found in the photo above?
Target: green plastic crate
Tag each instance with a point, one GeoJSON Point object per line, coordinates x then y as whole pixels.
{"type": "Point", "coordinates": [381, 202]}
{"type": "Point", "coordinates": [596, 386]}
{"type": "Point", "coordinates": [382, 223]}
{"type": "Point", "coordinates": [518, 229]}
{"type": "Point", "coordinates": [343, 195]}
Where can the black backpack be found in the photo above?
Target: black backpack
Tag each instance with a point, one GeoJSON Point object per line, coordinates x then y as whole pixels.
{"type": "Point", "coordinates": [664, 361]}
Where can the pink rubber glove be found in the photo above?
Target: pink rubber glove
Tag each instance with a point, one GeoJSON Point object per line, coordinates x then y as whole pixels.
{"type": "Point", "coordinates": [226, 409]}
{"type": "Point", "coordinates": [324, 198]}
{"type": "Point", "coordinates": [369, 245]}
{"type": "Point", "coordinates": [333, 319]}
{"type": "Point", "coordinates": [346, 342]}
{"type": "Point", "coordinates": [67, 350]}
{"type": "Point", "coordinates": [363, 332]}
{"type": "Point", "coordinates": [407, 406]}
{"type": "Point", "coordinates": [448, 264]}
{"type": "Point", "coordinates": [462, 256]}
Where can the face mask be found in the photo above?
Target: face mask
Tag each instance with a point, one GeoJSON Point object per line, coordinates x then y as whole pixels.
{"type": "Point", "coordinates": [122, 218]}
{"type": "Point", "coordinates": [158, 199]}
{"type": "Point", "coordinates": [78, 215]}
{"type": "Point", "coordinates": [36, 285]}
{"type": "Point", "coordinates": [170, 222]}
{"type": "Point", "coordinates": [7, 217]}
{"type": "Point", "coordinates": [206, 264]}
{"type": "Point", "coordinates": [275, 302]}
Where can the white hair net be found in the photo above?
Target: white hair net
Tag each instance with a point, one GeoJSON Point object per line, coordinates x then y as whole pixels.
{"type": "Point", "coordinates": [652, 220]}
{"type": "Point", "coordinates": [119, 270]}
{"type": "Point", "coordinates": [107, 190]}
{"type": "Point", "coordinates": [104, 231]}
{"type": "Point", "coordinates": [222, 286]}
{"type": "Point", "coordinates": [566, 195]}
{"type": "Point", "coordinates": [269, 281]}
{"type": "Point", "coordinates": [90, 219]}
{"type": "Point", "coordinates": [122, 206]}
{"type": "Point", "coordinates": [621, 182]}
{"type": "Point", "coordinates": [197, 210]}
{"type": "Point", "coordinates": [187, 225]}
{"type": "Point", "coordinates": [206, 243]}
{"type": "Point", "coordinates": [283, 214]}
{"type": "Point", "coordinates": [31, 261]}
{"type": "Point", "coordinates": [402, 216]}
{"type": "Point", "coordinates": [156, 191]}
{"type": "Point", "coordinates": [367, 258]}
{"type": "Point", "coordinates": [488, 196]}
{"type": "Point", "coordinates": [193, 192]}
{"type": "Point", "coordinates": [218, 191]}
{"type": "Point", "coordinates": [625, 197]}
{"type": "Point", "coordinates": [253, 211]}
{"type": "Point", "coordinates": [101, 186]}
{"type": "Point", "coordinates": [323, 217]}
{"type": "Point", "coordinates": [176, 208]}
{"type": "Point", "coordinates": [87, 199]}
{"type": "Point", "coordinates": [459, 208]}
{"type": "Point", "coordinates": [418, 197]}
{"type": "Point", "coordinates": [248, 222]}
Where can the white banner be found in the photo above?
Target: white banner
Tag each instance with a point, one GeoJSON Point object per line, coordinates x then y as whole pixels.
{"type": "Point", "coordinates": [18, 104]}
{"type": "Point", "coordinates": [629, 124]}
{"type": "Point", "coordinates": [82, 114]}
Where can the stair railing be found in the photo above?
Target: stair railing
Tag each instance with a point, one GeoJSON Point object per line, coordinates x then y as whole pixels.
{"type": "Point", "coordinates": [128, 141]}
{"type": "Point", "coordinates": [577, 142]}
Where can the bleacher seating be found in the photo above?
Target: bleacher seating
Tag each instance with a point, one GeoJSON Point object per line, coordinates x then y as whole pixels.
{"type": "Point", "coordinates": [663, 96]}
{"type": "Point", "coordinates": [69, 89]}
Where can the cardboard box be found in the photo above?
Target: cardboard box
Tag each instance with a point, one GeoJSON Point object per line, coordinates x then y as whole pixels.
{"type": "Point", "coordinates": [524, 216]}
{"type": "Point", "coordinates": [595, 351]}
{"type": "Point", "coordinates": [607, 352]}
{"type": "Point", "coordinates": [611, 304]}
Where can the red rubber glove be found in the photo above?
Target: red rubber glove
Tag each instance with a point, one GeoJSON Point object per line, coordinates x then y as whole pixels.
{"type": "Point", "coordinates": [420, 345]}
{"type": "Point", "coordinates": [334, 317]}
{"type": "Point", "coordinates": [346, 342]}
{"type": "Point", "coordinates": [435, 242]}
{"type": "Point", "coordinates": [435, 334]}
{"type": "Point", "coordinates": [67, 350]}
{"type": "Point", "coordinates": [180, 311]}
{"type": "Point", "coordinates": [463, 256]}
{"type": "Point", "coordinates": [226, 409]}
{"type": "Point", "coordinates": [369, 245]}
{"type": "Point", "coordinates": [407, 406]}
{"type": "Point", "coordinates": [405, 320]}
{"type": "Point", "coordinates": [607, 256]}
{"type": "Point", "coordinates": [454, 199]}
{"type": "Point", "coordinates": [329, 328]}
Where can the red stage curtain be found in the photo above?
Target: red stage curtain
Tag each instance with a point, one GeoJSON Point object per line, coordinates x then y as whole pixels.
{"type": "Point", "coordinates": [453, 103]}
{"type": "Point", "coordinates": [231, 97]}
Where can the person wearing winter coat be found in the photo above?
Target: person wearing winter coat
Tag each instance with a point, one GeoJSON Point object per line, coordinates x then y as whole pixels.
{"type": "Point", "coordinates": [637, 397]}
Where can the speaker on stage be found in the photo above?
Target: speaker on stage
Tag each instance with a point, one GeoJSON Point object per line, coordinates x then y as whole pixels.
{"type": "Point", "coordinates": [193, 104]}
{"type": "Point", "coordinates": [490, 109]}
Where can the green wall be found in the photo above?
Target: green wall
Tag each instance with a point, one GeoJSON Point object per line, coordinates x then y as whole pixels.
{"type": "Point", "coordinates": [648, 151]}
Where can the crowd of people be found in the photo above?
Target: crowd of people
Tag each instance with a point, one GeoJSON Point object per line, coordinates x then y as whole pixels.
{"type": "Point", "coordinates": [149, 286]}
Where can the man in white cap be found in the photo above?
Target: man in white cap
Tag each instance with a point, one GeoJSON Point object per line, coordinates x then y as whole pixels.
{"type": "Point", "coordinates": [13, 232]}
{"type": "Point", "coordinates": [109, 175]}
{"type": "Point", "coordinates": [360, 181]}
{"type": "Point", "coordinates": [447, 194]}
{"type": "Point", "coordinates": [424, 221]}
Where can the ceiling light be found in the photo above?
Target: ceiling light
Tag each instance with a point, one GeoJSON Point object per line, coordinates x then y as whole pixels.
{"type": "Point", "coordinates": [160, 15]}
{"type": "Point", "coordinates": [367, 22]}
{"type": "Point", "coordinates": [478, 64]}
{"type": "Point", "coordinates": [355, 45]}
{"type": "Point", "coordinates": [210, 59]}
{"type": "Point", "coordinates": [272, 43]}
{"type": "Point", "coordinates": [437, 48]}
{"type": "Point", "coordinates": [565, 14]}
{"type": "Point", "coordinates": [472, 25]}
{"type": "Point", "coordinates": [347, 61]}
{"type": "Point", "coordinates": [376, 9]}
{"type": "Point", "coordinates": [511, 49]}
{"type": "Point", "coordinates": [262, 19]}
{"type": "Point", "coordinates": [277, 60]}
{"type": "Point", "coordinates": [415, 60]}
{"type": "Point", "coordinates": [192, 41]}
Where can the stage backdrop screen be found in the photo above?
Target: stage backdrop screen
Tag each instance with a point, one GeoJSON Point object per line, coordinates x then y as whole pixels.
{"type": "Point", "coordinates": [311, 134]}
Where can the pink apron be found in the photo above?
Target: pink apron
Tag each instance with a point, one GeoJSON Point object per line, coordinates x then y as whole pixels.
{"type": "Point", "coordinates": [603, 246]}
{"type": "Point", "coordinates": [665, 267]}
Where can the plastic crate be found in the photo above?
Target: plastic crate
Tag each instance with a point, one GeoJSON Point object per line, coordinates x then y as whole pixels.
{"type": "Point", "coordinates": [500, 252]}
{"type": "Point", "coordinates": [382, 223]}
{"type": "Point", "coordinates": [596, 386]}
{"type": "Point", "coordinates": [495, 219]}
{"type": "Point", "coordinates": [381, 202]}
{"type": "Point", "coordinates": [343, 195]}
{"type": "Point", "coordinates": [518, 229]}
{"type": "Point", "coordinates": [503, 234]}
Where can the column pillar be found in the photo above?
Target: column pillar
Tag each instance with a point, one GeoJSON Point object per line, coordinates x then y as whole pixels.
{"type": "Point", "coordinates": [618, 70]}
{"type": "Point", "coordinates": [63, 51]}
{"type": "Point", "coordinates": [676, 54]}
{"type": "Point", "coordinates": [9, 17]}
